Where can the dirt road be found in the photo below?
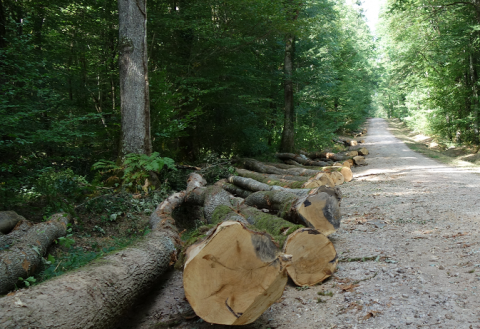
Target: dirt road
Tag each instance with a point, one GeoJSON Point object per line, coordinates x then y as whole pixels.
{"type": "Point", "coordinates": [415, 222]}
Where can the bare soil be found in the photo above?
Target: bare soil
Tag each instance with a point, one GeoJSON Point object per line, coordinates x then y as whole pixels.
{"type": "Point", "coordinates": [409, 248]}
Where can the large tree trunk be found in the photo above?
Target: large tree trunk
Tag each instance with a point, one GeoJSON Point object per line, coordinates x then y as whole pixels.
{"type": "Point", "coordinates": [267, 169]}
{"type": "Point", "coordinates": [95, 296]}
{"type": "Point", "coordinates": [15, 236]}
{"type": "Point", "coordinates": [288, 134]}
{"type": "Point", "coordinates": [134, 93]}
{"type": "Point", "coordinates": [24, 258]}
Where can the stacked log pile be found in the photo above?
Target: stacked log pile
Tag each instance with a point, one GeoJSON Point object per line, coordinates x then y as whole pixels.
{"type": "Point", "coordinates": [269, 222]}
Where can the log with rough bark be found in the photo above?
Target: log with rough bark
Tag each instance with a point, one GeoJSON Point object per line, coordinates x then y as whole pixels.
{"type": "Point", "coordinates": [300, 159]}
{"type": "Point", "coordinates": [318, 210]}
{"type": "Point", "coordinates": [96, 295]}
{"type": "Point", "coordinates": [274, 180]}
{"type": "Point", "coordinates": [314, 258]}
{"type": "Point", "coordinates": [24, 258]}
{"type": "Point", "coordinates": [258, 166]}
{"type": "Point", "coordinates": [8, 220]}
{"type": "Point", "coordinates": [347, 141]}
{"type": "Point", "coordinates": [15, 236]}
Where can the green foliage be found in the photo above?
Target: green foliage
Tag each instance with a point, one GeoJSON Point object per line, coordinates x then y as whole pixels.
{"type": "Point", "coordinates": [28, 281]}
{"type": "Point", "coordinates": [136, 167]}
{"type": "Point", "coordinates": [60, 189]}
{"type": "Point", "coordinates": [216, 168]}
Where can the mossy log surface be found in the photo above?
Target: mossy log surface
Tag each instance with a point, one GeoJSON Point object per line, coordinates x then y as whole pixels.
{"type": "Point", "coordinates": [25, 257]}
{"type": "Point", "coordinates": [248, 179]}
{"type": "Point", "coordinates": [258, 166]}
{"type": "Point", "coordinates": [236, 190]}
{"type": "Point", "coordinates": [317, 209]}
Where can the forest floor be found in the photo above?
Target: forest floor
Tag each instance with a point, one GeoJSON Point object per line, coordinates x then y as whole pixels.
{"type": "Point", "coordinates": [409, 247]}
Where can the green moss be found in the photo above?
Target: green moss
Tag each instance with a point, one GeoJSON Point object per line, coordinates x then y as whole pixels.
{"type": "Point", "coordinates": [220, 213]}
{"type": "Point", "coordinates": [191, 237]}
{"type": "Point", "coordinates": [278, 228]}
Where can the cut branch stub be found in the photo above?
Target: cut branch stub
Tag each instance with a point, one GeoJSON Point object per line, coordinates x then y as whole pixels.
{"type": "Point", "coordinates": [8, 220]}
{"type": "Point", "coordinates": [234, 275]}
{"type": "Point", "coordinates": [314, 258]}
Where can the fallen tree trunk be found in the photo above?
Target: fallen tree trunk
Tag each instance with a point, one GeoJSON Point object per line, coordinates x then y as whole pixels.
{"type": "Point", "coordinates": [8, 220]}
{"type": "Point", "coordinates": [267, 169]}
{"type": "Point", "coordinates": [347, 141]}
{"type": "Point", "coordinates": [318, 210]}
{"type": "Point", "coordinates": [25, 257]}
{"type": "Point", "coordinates": [269, 180]}
{"type": "Point", "coordinates": [304, 161]}
{"type": "Point", "coordinates": [15, 236]}
{"type": "Point", "coordinates": [95, 296]}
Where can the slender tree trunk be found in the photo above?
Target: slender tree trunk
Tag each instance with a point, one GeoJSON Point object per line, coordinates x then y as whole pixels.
{"type": "Point", "coordinates": [288, 135]}
{"type": "Point", "coordinates": [3, 23]}
{"type": "Point", "coordinates": [473, 77]}
{"type": "Point", "coordinates": [134, 94]}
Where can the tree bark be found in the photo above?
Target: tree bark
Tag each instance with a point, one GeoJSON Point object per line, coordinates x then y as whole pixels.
{"type": "Point", "coordinates": [25, 258]}
{"type": "Point", "coordinates": [299, 159]}
{"type": "Point", "coordinates": [15, 236]}
{"type": "Point", "coordinates": [134, 88]}
{"type": "Point", "coordinates": [288, 135]}
{"type": "Point", "coordinates": [267, 169]}
{"type": "Point", "coordinates": [96, 295]}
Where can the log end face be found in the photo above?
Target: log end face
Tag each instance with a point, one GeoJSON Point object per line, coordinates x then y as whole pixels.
{"type": "Point", "coordinates": [314, 258]}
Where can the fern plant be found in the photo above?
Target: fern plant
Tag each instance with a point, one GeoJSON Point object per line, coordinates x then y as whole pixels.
{"type": "Point", "coordinates": [136, 167]}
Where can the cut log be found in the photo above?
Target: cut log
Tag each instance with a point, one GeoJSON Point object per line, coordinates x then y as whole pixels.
{"type": "Point", "coordinates": [348, 141]}
{"type": "Point", "coordinates": [317, 210]}
{"type": "Point", "coordinates": [236, 190]}
{"type": "Point", "coordinates": [267, 169]}
{"type": "Point", "coordinates": [344, 170]}
{"type": "Point", "coordinates": [300, 159]}
{"type": "Point", "coordinates": [360, 160]}
{"type": "Point", "coordinates": [363, 151]}
{"type": "Point", "coordinates": [321, 179]}
{"type": "Point", "coordinates": [8, 220]}
{"type": "Point", "coordinates": [25, 257]}
{"type": "Point", "coordinates": [97, 295]}
{"type": "Point", "coordinates": [314, 258]}
{"type": "Point", "coordinates": [234, 275]}
{"type": "Point", "coordinates": [269, 180]}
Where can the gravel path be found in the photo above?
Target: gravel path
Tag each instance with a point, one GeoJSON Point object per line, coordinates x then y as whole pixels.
{"type": "Point", "coordinates": [415, 224]}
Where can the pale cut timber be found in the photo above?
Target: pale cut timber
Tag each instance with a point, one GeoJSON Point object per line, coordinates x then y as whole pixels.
{"type": "Point", "coordinates": [322, 211]}
{"type": "Point", "coordinates": [314, 258]}
{"type": "Point", "coordinates": [349, 163]}
{"type": "Point", "coordinates": [234, 275]}
{"type": "Point", "coordinates": [321, 179]}
{"type": "Point", "coordinates": [360, 160]}
{"type": "Point", "coordinates": [363, 151]}
{"type": "Point", "coordinates": [344, 170]}
{"type": "Point", "coordinates": [336, 177]}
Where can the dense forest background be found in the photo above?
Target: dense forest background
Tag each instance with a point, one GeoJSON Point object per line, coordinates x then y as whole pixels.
{"type": "Point", "coordinates": [216, 71]}
{"type": "Point", "coordinates": [429, 62]}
